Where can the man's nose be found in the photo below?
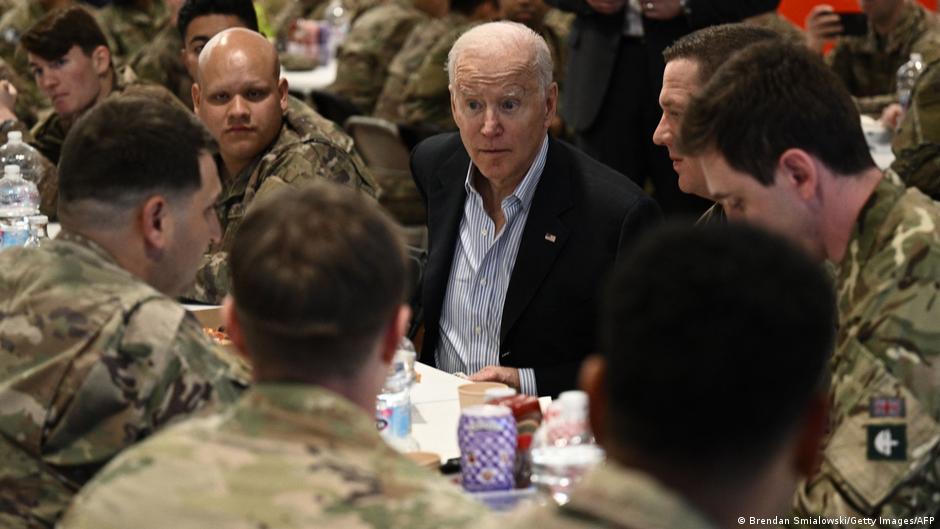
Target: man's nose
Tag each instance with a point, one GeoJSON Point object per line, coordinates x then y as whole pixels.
{"type": "Point", "coordinates": [491, 123]}
{"type": "Point", "coordinates": [238, 106]}
{"type": "Point", "coordinates": [663, 134]}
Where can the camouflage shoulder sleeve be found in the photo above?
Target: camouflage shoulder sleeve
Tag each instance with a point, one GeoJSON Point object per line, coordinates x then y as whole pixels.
{"type": "Point", "coordinates": [918, 165]}
{"type": "Point", "coordinates": [213, 280]}
{"type": "Point", "coordinates": [318, 159]}
{"type": "Point", "coordinates": [157, 366]}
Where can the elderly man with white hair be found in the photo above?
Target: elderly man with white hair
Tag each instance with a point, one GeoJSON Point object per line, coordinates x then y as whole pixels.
{"type": "Point", "coordinates": [522, 227]}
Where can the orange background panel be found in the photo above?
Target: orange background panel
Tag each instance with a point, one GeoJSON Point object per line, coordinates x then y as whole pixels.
{"type": "Point", "coordinates": [796, 10]}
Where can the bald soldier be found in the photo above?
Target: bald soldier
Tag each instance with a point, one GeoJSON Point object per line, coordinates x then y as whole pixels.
{"type": "Point", "coordinates": [267, 140]}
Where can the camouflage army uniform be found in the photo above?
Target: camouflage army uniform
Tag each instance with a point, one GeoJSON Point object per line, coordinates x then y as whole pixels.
{"type": "Point", "coordinates": [286, 456]}
{"type": "Point", "coordinates": [614, 497]}
{"type": "Point", "coordinates": [47, 136]}
{"type": "Point", "coordinates": [883, 452]}
{"type": "Point", "coordinates": [409, 59]}
{"type": "Point", "coordinates": [868, 65]}
{"type": "Point", "coordinates": [364, 56]}
{"type": "Point", "coordinates": [160, 63]}
{"type": "Point", "coordinates": [13, 24]}
{"type": "Point", "coordinates": [130, 28]}
{"type": "Point", "coordinates": [427, 100]}
{"type": "Point", "coordinates": [780, 25]}
{"type": "Point", "coordinates": [93, 360]}
{"type": "Point", "coordinates": [29, 100]}
{"type": "Point", "coordinates": [308, 147]}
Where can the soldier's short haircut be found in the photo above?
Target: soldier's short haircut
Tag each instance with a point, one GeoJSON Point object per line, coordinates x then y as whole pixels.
{"type": "Point", "coordinates": [53, 35]}
{"type": "Point", "coordinates": [710, 47]}
{"type": "Point", "coordinates": [192, 9]}
{"type": "Point", "coordinates": [126, 147]}
{"type": "Point", "coordinates": [772, 97]}
{"type": "Point", "coordinates": [716, 338]}
{"type": "Point", "coordinates": [317, 274]}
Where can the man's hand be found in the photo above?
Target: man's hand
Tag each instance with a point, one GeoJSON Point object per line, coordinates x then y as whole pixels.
{"type": "Point", "coordinates": [7, 100]}
{"type": "Point", "coordinates": [606, 7]}
{"type": "Point", "coordinates": [661, 9]}
{"type": "Point", "coordinates": [822, 24]}
{"type": "Point", "coordinates": [892, 116]}
{"type": "Point", "coordinates": [506, 375]}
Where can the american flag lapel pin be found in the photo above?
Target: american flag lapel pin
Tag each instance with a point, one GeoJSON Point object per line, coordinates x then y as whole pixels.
{"type": "Point", "coordinates": [550, 237]}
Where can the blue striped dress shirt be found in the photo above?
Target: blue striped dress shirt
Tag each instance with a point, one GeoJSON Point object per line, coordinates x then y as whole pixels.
{"type": "Point", "coordinates": [479, 277]}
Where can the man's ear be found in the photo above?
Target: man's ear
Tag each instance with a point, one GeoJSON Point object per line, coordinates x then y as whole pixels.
{"type": "Point", "coordinates": [592, 380]}
{"type": "Point", "coordinates": [551, 103]}
{"type": "Point", "coordinates": [154, 224]}
{"type": "Point", "coordinates": [282, 93]}
{"type": "Point", "coordinates": [809, 443]}
{"type": "Point", "coordinates": [197, 94]}
{"type": "Point", "coordinates": [393, 333]}
{"type": "Point", "coordinates": [101, 60]}
{"type": "Point", "coordinates": [801, 171]}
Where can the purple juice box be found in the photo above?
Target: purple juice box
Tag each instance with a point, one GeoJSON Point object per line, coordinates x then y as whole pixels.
{"type": "Point", "coordinates": [487, 438]}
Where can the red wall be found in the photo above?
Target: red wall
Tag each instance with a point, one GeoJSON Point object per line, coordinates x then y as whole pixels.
{"type": "Point", "coordinates": [796, 10]}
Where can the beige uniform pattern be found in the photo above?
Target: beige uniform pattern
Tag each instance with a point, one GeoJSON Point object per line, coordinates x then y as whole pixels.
{"type": "Point", "coordinates": [883, 453]}
{"type": "Point", "coordinates": [130, 28]}
{"type": "Point", "coordinates": [160, 63]}
{"type": "Point", "coordinates": [92, 360]}
{"type": "Point", "coordinates": [615, 497]}
{"type": "Point", "coordinates": [364, 56]}
{"type": "Point", "coordinates": [286, 456]}
{"type": "Point", "coordinates": [868, 65]}
{"type": "Point", "coordinates": [308, 147]}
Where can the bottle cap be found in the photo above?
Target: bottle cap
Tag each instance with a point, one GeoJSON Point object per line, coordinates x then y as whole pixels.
{"type": "Point", "coordinates": [497, 393]}
{"type": "Point", "coordinates": [14, 136]}
{"type": "Point", "coordinates": [916, 57]}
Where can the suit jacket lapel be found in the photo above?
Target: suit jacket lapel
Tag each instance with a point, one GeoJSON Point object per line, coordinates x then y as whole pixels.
{"type": "Point", "coordinates": [543, 237]}
{"type": "Point", "coordinates": [448, 194]}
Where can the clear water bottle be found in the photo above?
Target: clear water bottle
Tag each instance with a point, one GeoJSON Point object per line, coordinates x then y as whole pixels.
{"type": "Point", "coordinates": [563, 448]}
{"type": "Point", "coordinates": [19, 199]}
{"type": "Point", "coordinates": [37, 231]}
{"type": "Point", "coordinates": [17, 152]}
{"type": "Point", "coordinates": [393, 406]}
{"type": "Point", "coordinates": [338, 19]}
{"type": "Point", "coordinates": [908, 74]}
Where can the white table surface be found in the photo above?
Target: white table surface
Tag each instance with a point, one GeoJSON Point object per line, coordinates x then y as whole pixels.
{"type": "Point", "coordinates": [309, 80]}
{"type": "Point", "coordinates": [879, 142]}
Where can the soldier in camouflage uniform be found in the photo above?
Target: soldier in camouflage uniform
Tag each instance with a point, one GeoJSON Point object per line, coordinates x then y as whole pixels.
{"type": "Point", "coordinates": [868, 65]}
{"type": "Point", "coordinates": [43, 43]}
{"type": "Point", "coordinates": [320, 324]}
{"type": "Point", "coordinates": [261, 149]}
{"type": "Point", "coordinates": [364, 56]}
{"type": "Point", "coordinates": [804, 169]}
{"type": "Point", "coordinates": [171, 60]}
{"type": "Point", "coordinates": [412, 54]}
{"type": "Point", "coordinates": [677, 463]}
{"type": "Point", "coordinates": [95, 355]}
{"type": "Point", "coordinates": [132, 24]}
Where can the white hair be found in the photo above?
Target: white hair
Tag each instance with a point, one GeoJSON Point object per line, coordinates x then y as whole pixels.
{"type": "Point", "coordinates": [508, 36]}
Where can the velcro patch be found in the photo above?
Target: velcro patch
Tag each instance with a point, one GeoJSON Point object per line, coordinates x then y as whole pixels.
{"type": "Point", "coordinates": [887, 442]}
{"type": "Point", "coordinates": [887, 407]}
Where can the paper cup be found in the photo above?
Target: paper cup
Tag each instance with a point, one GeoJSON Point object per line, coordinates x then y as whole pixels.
{"type": "Point", "coordinates": [473, 394]}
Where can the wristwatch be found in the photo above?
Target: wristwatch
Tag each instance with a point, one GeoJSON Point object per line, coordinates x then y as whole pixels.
{"type": "Point", "coordinates": [686, 8]}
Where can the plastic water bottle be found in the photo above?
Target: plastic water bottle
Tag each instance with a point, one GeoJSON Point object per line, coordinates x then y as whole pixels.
{"type": "Point", "coordinates": [393, 406]}
{"type": "Point", "coordinates": [17, 152]}
{"type": "Point", "coordinates": [338, 19]}
{"type": "Point", "coordinates": [37, 231]}
{"type": "Point", "coordinates": [563, 448]}
{"type": "Point", "coordinates": [908, 74]}
{"type": "Point", "coordinates": [19, 199]}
